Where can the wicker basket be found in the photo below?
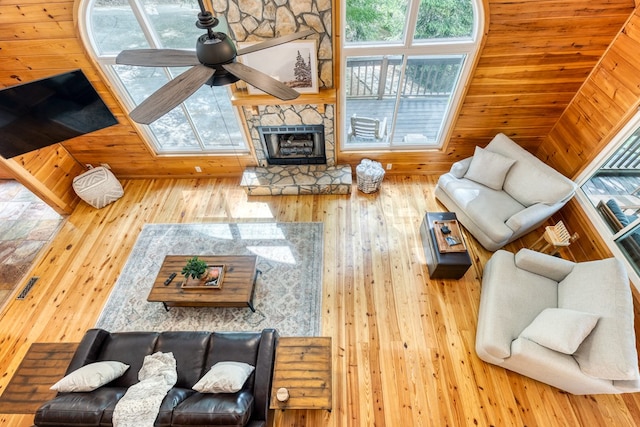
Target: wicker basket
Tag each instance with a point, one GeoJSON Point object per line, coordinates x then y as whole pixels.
{"type": "Point", "coordinates": [369, 174]}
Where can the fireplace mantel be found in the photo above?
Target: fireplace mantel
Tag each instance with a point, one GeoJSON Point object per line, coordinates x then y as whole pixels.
{"type": "Point", "coordinates": [253, 102]}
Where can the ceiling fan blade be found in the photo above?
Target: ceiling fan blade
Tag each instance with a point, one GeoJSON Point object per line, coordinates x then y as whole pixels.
{"type": "Point", "coordinates": [262, 81]}
{"type": "Point", "coordinates": [157, 58]}
{"type": "Point", "coordinates": [275, 42]}
{"type": "Point", "coordinates": [171, 94]}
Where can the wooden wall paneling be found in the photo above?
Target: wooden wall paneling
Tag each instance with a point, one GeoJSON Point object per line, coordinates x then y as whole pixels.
{"type": "Point", "coordinates": [34, 30]}
{"type": "Point", "coordinates": [35, 12]}
{"type": "Point", "coordinates": [601, 100]}
{"type": "Point", "coordinates": [624, 44]}
{"type": "Point", "coordinates": [53, 168]}
{"type": "Point", "coordinates": [536, 55]}
{"type": "Point", "coordinates": [588, 246]}
{"type": "Point", "coordinates": [19, 69]}
{"type": "Point", "coordinates": [620, 95]}
{"type": "Point", "coordinates": [5, 172]}
{"type": "Point", "coordinates": [542, 40]}
{"type": "Point", "coordinates": [523, 57]}
{"type": "Point", "coordinates": [587, 124]}
{"type": "Point", "coordinates": [623, 70]}
{"type": "Point", "coordinates": [550, 9]}
{"type": "Point", "coordinates": [41, 46]}
{"type": "Point", "coordinates": [609, 97]}
{"type": "Point", "coordinates": [62, 203]}
{"type": "Point", "coordinates": [37, 46]}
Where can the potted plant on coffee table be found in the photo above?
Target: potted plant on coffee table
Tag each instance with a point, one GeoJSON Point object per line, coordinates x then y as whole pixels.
{"type": "Point", "coordinates": [198, 273]}
{"type": "Point", "coordinates": [194, 269]}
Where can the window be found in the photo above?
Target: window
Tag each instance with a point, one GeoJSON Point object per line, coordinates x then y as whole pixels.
{"type": "Point", "coordinates": [610, 194]}
{"type": "Point", "coordinates": [405, 65]}
{"type": "Point", "coordinates": [206, 121]}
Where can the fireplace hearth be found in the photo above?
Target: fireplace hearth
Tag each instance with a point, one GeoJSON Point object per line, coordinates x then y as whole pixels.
{"type": "Point", "coordinates": [294, 145]}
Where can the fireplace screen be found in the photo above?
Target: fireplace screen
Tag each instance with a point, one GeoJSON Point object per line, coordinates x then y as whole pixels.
{"type": "Point", "coordinates": [294, 145]}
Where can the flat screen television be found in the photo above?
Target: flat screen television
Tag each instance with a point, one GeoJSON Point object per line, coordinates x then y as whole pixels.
{"type": "Point", "coordinates": [43, 112]}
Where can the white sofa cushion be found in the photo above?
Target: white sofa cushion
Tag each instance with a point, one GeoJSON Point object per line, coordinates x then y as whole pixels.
{"type": "Point", "coordinates": [224, 377]}
{"type": "Point", "coordinates": [488, 168]}
{"type": "Point", "coordinates": [91, 376]}
{"type": "Point", "coordinates": [542, 264]}
{"type": "Point", "coordinates": [609, 352]}
{"type": "Point", "coordinates": [529, 180]}
{"type": "Point", "coordinates": [459, 168]}
{"type": "Point", "coordinates": [560, 329]}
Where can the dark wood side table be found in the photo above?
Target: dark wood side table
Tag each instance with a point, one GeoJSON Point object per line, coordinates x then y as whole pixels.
{"type": "Point", "coordinates": [303, 368]}
{"type": "Point", "coordinates": [442, 265]}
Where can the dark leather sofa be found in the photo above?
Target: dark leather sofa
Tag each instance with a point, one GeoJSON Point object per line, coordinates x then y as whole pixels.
{"type": "Point", "coordinates": [195, 353]}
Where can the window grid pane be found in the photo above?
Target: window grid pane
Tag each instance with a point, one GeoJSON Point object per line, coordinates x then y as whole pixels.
{"type": "Point", "coordinates": [375, 20]}
{"type": "Point", "coordinates": [207, 120]}
{"type": "Point", "coordinates": [412, 97]}
{"type": "Point", "coordinates": [614, 190]}
{"type": "Point", "coordinates": [174, 23]}
{"type": "Point", "coordinates": [444, 19]}
{"type": "Point", "coordinates": [629, 245]}
{"type": "Point", "coordinates": [114, 27]}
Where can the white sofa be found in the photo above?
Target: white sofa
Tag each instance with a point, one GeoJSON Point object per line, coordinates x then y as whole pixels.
{"type": "Point", "coordinates": [502, 192]}
{"type": "Point", "coordinates": [537, 315]}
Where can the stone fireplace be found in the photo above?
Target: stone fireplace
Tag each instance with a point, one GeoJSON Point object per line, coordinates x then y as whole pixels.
{"type": "Point", "coordinates": [310, 173]}
{"type": "Point", "coordinates": [305, 132]}
{"type": "Point", "coordinates": [294, 145]}
{"type": "Point", "coordinates": [304, 119]}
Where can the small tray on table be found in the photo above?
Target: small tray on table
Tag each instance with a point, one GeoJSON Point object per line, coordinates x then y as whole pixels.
{"type": "Point", "coordinates": [206, 282]}
{"type": "Point", "coordinates": [450, 242]}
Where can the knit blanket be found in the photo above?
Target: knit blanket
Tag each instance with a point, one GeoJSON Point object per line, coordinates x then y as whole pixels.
{"type": "Point", "coordinates": [140, 405]}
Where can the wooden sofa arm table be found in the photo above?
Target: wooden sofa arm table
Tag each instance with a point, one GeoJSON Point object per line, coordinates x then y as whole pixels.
{"type": "Point", "coordinates": [303, 368]}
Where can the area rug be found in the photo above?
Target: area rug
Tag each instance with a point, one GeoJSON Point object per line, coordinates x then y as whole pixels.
{"type": "Point", "coordinates": [287, 295]}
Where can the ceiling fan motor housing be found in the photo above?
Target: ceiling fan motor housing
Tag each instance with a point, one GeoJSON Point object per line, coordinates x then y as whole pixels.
{"type": "Point", "coordinates": [216, 51]}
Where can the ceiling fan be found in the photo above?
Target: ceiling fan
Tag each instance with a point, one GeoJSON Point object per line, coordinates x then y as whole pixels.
{"type": "Point", "coordinates": [213, 63]}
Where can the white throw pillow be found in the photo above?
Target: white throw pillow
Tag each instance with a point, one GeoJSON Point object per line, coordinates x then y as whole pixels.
{"type": "Point", "coordinates": [560, 329]}
{"type": "Point", "coordinates": [90, 377]}
{"type": "Point", "coordinates": [224, 377]}
{"type": "Point", "coordinates": [489, 168]}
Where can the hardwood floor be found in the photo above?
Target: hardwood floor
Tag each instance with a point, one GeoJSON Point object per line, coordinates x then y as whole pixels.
{"type": "Point", "coordinates": [403, 345]}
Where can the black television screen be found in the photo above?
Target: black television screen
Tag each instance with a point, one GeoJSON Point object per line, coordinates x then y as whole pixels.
{"type": "Point", "coordinates": [37, 114]}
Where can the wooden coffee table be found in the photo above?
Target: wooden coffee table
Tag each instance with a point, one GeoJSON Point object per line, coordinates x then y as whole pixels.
{"type": "Point", "coordinates": [237, 290]}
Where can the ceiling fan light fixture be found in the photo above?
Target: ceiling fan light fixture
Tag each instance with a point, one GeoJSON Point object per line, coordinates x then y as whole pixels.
{"type": "Point", "coordinates": [222, 79]}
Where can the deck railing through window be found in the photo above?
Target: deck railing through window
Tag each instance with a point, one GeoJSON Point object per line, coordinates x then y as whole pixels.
{"type": "Point", "coordinates": [627, 156]}
{"type": "Point", "coordinates": [378, 77]}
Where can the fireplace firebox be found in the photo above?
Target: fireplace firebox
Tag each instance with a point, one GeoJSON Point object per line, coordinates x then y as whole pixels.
{"type": "Point", "coordinates": [294, 145]}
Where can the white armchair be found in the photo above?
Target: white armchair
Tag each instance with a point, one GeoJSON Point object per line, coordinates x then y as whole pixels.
{"type": "Point", "coordinates": [502, 192]}
{"type": "Point", "coordinates": [566, 324]}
